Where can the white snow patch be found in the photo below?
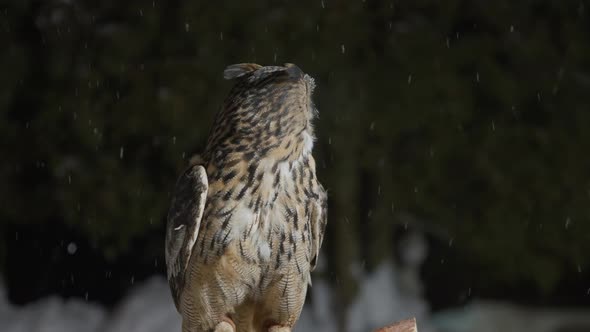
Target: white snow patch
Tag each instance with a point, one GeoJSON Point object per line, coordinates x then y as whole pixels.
{"type": "Point", "coordinates": [51, 314]}
{"type": "Point", "coordinates": [380, 302]}
{"type": "Point", "coordinates": [317, 316]}
{"type": "Point", "coordinates": [487, 316]}
{"type": "Point", "coordinates": [148, 308]}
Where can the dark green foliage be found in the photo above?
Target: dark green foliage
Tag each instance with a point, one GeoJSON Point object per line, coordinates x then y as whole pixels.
{"type": "Point", "coordinates": [472, 116]}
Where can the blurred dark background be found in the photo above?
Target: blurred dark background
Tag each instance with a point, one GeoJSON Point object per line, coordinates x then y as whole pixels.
{"type": "Point", "coordinates": [466, 121]}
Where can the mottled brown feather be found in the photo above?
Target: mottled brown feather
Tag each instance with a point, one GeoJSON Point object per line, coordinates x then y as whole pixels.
{"type": "Point", "coordinates": [265, 213]}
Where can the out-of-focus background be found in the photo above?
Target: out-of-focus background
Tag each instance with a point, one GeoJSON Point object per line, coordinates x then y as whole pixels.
{"type": "Point", "coordinates": [453, 139]}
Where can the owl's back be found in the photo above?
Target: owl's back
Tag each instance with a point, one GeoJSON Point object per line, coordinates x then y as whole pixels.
{"type": "Point", "coordinates": [264, 217]}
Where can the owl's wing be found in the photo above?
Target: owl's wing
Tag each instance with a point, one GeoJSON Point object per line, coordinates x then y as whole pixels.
{"type": "Point", "coordinates": [319, 218]}
{"type": "Point", "coordinates": [182, 228]}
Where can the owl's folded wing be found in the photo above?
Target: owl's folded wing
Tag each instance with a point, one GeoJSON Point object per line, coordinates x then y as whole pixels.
{"type": "Point", "coordinates": [182, 228]}
{"type": "Point", "coordinates": [319, 218]}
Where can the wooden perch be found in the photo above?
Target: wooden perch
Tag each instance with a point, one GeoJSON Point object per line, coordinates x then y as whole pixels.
{"type": "Point", "coordinates": [408, 325]}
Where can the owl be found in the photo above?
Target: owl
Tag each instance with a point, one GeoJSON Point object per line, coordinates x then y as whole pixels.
{"type": "Point", "coordinates": [247, 217]}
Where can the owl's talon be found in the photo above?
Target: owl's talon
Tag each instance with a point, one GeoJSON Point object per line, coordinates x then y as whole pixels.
{"type": "Point", "coordinates": [279, 328]}
{"type": "Point", "coordinates": [225, 326]}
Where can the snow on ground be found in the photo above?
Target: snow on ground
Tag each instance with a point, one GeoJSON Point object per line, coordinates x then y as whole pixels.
{"type": "Point", "coordinates": [149, 308]}
{"type": "Point", "coordinates": [153, 303]}
{"type": "Point", "coordinates": [484, 316]}
{"type": "Point", "coordinates": [380, 302]}
{"type": "Point", "coordinates": [51, 314]}
{"type": "Point", "coordinates": [317, 316]}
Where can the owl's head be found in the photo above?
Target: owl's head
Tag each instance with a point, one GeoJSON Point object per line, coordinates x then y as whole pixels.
{"type": "Point", "coordinates": [284, 89]}
{"type": "Point", "coordinates": [268, 113]}
{"type": "Point", "coordinates": [254, 72]}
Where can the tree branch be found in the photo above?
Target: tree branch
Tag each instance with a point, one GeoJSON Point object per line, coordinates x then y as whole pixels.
{"type": "Point", "coordinates": [408, 325]}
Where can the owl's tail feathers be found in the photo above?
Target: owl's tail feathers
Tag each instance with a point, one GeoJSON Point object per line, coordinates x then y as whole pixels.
{"type": "Point", "coordinates": [239, 69]}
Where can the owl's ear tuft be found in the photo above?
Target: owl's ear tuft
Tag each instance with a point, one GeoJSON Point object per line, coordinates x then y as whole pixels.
{"type": "Point", "coordinates": [239, 69]}
{"type": "Point", "coordinates": [293, 70]}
